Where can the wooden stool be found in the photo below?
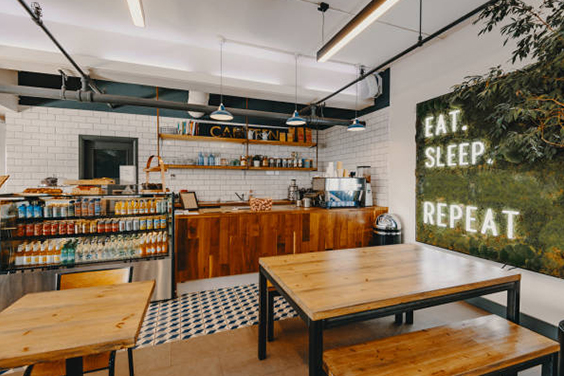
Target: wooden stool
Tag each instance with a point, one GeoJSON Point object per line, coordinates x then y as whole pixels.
{"type": "Point", "coordinates": [483, 346]}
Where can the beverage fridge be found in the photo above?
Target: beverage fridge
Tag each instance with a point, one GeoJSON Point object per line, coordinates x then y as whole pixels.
{"type": "Point", "coordinates": [44, 235]}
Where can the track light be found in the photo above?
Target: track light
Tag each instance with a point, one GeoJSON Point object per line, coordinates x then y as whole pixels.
{"type": "Point", "coordinates": [136, 10]}
{"type": "Point", "coordinates": [374, 10]}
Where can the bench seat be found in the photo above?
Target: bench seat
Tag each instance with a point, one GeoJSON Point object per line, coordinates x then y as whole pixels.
{"type": "Point", "coordinates": [480, 346]}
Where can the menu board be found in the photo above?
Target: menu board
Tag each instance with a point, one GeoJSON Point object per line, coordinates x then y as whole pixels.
{"type": "Point", "coordinates": [500, 208]}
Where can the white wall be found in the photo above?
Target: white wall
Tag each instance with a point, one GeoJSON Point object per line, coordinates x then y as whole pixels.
{"type": "Point", "coordinates": [43, 142]}
{"type": "Point", "coordinates": [2, 147]}
{"type": "Point", "coordinates": [427, 73]}
{"type": "Point", "coordinates": [366, 148]}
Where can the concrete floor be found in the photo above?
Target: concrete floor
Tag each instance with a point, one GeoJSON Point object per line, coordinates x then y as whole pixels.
{"type": "Point", "coordinates": [234, 353]}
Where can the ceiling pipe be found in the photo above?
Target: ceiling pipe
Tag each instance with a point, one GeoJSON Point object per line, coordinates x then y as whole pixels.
{"type": "Point", "coordinates": [93, 97]}
{"type": "Point", "coordinates": [85, 79]}
{"type": "Point", "coordinates": [419, 43]}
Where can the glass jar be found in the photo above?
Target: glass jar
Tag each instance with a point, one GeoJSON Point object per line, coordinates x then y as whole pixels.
{"type": "Point", "coordinates": [265, 161]}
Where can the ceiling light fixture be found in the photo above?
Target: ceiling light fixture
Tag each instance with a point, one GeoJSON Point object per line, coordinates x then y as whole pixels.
{"type": "Point", "coordinates": [374, 10]}
{"type": "Point", "coordinates": [136, 11]}
{"type": "Point", "coordinates": [221, 113]}
{"type": "Point", "coordinates": [296, 120]}
{"type": "Point", "coordinates": [356, 124]}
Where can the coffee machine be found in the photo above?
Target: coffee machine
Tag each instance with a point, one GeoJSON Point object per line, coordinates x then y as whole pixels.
{"type": "Point", "coordinates": [339, 192]}
{"type": "Point", "coordinates": [364, 172]}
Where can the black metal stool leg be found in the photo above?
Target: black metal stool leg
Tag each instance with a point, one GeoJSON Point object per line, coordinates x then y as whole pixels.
{"type": "Point", "coordinates": [409, 317]}
{"type": "Point", "coordinates": [270, 315]}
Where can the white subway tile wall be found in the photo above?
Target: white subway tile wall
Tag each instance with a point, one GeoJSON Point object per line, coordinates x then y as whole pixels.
{"type": "Point", "coordinates": [43, 141]}
{"type": "Point", "coordinates": [364, 148]}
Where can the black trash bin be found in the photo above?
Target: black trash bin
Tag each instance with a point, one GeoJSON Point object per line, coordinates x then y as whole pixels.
{"type": "Point", "coordinates": [387, 230]}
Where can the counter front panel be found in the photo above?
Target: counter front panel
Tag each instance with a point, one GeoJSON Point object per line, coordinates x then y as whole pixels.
{"type": "Point", "coordinates": [225, 242]}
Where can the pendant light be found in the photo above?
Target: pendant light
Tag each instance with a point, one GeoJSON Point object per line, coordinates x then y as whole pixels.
{"type": "Point", "coordinates": [296, 120]}
{"type": "Point", "coordinates": [221, 113]}
{"type": "Point", "coordinates": [356, 124]}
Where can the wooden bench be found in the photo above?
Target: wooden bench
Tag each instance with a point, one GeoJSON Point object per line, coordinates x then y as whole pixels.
{"type": "Point", "coordinates": [484, 346]}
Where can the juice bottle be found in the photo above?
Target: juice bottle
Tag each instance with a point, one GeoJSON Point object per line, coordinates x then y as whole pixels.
{"type": "Point", "coordinates": [78, 208]}
{"type": "Point", "coordinates": [57, 250]}
{"type": "Point", "coordinates": [50, 253]}
{"type": "Point", "coordinates": [129, 207]}
{"type": "Point", "coordinates": [27, 254]}
{"type": "Point", "coordinates": [84, 208]}
{"type": "Point", "coordinates": [44, 257]}
{"type": "Point", "coordinates": [117, 208]}
{"type": "Point", "coordinates": [35, 255]}
{"type": "Point", "coordinates": [158, 245]}
{"type": "Point", "coordinates": [152, 206]}
{"type": "Point", "coordinates": [64, 253]}
{"type": "Point", "coordinates": [20, 255]}
{"type": "Point", "coordinates": [164, 247]}
{"type": "Point", "coordinates": [91, 208]}
{"type": "Point", "coordinates": [142, 207]}
{"type": "Point", "coordinates": [135, 207]}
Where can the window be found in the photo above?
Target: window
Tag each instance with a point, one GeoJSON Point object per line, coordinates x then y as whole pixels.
{"type": "Point", "coordinates": [100, 156]}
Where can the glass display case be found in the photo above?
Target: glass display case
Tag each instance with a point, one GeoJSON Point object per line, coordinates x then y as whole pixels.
{"type": "Point", "coordinates": [62, 231]}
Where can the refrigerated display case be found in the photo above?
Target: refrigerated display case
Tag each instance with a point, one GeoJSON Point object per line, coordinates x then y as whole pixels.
{"type": "Point", "coordinates": [42, 236]}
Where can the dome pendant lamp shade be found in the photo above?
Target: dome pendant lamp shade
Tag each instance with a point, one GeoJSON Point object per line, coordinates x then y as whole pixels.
{"type": "Point", "coordinates": [356, 125]}
{"type": "Point", "coordinates": [295, 120]}
{"type": "Point", "coordinates": [221, 114]}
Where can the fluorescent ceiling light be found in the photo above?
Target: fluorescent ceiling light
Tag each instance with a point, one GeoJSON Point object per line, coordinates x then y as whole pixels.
{"type": "Point", "coordinates": [374, 10]}
{"type": "Point", "coordinates": [136, 10]}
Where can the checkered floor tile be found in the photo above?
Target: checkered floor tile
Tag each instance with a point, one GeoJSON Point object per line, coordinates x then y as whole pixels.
{"type": "Point", "coordinates": [205, 312]}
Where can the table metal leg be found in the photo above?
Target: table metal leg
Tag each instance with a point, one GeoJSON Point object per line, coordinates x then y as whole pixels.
{"type": "Point", "coordinates": [270, 316]}
{"type": "Point", "coordinates": [262, 317]}
{"type": "Point", "coordinates": [399, 319]}
{"type": "Point", "coordinates": [409, 317]}
{"type": "Point", "coordinates": [74, 367]}
{"type": "Point", "coordinates": [550, 367]}
{"type": "Point", "coordinates": [315, 348]}
{"type": "Point", "coordinates": [513, 302]}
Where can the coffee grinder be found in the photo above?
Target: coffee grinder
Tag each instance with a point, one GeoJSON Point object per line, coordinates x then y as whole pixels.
{"type": "Point", "coordinates": [364, 172]}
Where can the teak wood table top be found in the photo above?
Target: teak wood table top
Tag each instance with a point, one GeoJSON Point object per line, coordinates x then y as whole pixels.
{"type": "Point", "coordinates": [336, 283]}
{"type": "Point", "coordinates": [57, 325]}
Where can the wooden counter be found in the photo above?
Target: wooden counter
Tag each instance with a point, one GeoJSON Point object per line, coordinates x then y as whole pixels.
{"type": "Point", "coordinates": [223, 241]}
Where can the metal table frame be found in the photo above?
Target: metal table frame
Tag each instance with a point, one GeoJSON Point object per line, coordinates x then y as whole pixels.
{"type": "Point", "coordinates": [316, 327]}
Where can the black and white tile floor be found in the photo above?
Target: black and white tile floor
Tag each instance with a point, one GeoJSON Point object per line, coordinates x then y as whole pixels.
{"type": "Point", "coordinates": [205, 312]}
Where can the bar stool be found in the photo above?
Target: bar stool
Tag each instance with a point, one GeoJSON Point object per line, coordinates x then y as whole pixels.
{"type": "Point", "coordinates": [97, 362]}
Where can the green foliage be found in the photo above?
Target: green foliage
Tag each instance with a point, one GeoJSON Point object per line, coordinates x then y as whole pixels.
{"type": "Point", "coordinates": [525, 106]}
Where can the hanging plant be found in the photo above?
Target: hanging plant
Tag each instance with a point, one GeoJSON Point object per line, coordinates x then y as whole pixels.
{"type": "Point", "coordinates": [526, 106]}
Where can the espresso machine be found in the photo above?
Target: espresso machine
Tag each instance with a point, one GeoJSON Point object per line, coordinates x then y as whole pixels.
{"type": "Point", "coordinates": [339, 192]}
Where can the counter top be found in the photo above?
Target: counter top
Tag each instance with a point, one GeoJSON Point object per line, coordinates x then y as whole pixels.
{"type": "Point", "coordinates": [290, 209]}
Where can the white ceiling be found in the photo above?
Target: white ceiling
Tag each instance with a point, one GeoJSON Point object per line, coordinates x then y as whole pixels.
{"type": "Point", "coordinates": [179, 47]}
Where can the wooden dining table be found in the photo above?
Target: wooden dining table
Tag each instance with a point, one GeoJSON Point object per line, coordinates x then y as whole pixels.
{"type": "Point", "coordinates": [333, 288]}
{"type": "Point", "coordinates": [69, 324]}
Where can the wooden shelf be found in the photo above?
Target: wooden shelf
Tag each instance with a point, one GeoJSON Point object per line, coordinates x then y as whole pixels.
{"type": "Point", "coordinates": [184, 137]}
{"type": "Point", "coordinates": [283, 169]}
{"type": "Point", "coordinates": [205, 167]}
{"type": "Point", "coordinates": [235, 140]}
{"type": "Point", "coordinates": [283, 143]}
{"type": "Point", "coordinates": [188, 167]}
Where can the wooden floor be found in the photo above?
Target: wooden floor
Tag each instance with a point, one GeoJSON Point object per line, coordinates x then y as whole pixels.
{"type": "Point", "coordinates": [234, 353]}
